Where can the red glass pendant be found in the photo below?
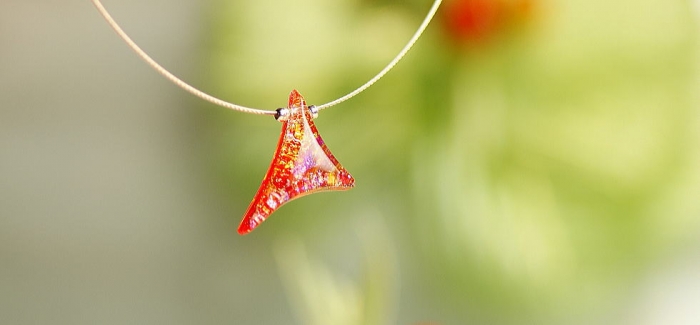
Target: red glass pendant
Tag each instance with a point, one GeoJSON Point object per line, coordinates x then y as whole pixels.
{"type": "Point", "coordinates": [302, 165]}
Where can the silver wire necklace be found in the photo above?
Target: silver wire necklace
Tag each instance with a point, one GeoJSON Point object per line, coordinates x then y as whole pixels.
{"type": "Point", "coordinates": [302, 163]}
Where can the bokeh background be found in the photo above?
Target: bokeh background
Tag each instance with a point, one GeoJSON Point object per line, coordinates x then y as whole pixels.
{"type": "Point", "coordinates": [529, 162]}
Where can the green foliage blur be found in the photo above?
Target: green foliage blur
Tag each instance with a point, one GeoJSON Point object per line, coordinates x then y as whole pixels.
{"type": "Point", "coordinates": [528, 161]}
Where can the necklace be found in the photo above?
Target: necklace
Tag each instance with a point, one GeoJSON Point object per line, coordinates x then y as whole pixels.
{"type": "Point", "coordinates": [302, 163]}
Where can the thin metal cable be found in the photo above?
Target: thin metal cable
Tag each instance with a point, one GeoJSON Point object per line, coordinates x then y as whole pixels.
{"type": "Point", "coordinates": [194, 91]}
{"type": "Point", "coordinates": [393, 62]}
{"type": "Point", "coordinates": [170, 76]}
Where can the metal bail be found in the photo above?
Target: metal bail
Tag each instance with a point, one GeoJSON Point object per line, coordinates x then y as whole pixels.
{"type": "Point", "coordinates": [314, 111]}
{"type": "Point", "coordinates": [282, 114]}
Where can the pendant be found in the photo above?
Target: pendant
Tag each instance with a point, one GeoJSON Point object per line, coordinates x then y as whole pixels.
{"type": "Point", "coordinates": [302, 165]}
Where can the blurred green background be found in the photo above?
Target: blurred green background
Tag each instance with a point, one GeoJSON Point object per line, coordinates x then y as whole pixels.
{"type": "Point", "coordinates": [529, 162]}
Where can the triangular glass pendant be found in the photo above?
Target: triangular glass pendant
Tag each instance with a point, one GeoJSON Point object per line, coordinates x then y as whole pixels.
{"type": "Point", "coordinates": [302, 165]}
